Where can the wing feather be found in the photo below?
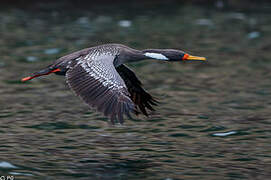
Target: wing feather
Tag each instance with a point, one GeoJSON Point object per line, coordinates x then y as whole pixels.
{"type": "Point", "coordinates": [104, 90]}
{"type": "Point", "coordinates": [142, 99]}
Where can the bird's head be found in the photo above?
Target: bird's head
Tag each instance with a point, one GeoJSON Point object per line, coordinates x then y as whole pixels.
{"type": "Point", "coordinates": [171, 55]}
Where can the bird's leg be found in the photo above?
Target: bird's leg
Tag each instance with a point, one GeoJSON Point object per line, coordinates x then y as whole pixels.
{"type": "Point", "coordinates": [41, 73]}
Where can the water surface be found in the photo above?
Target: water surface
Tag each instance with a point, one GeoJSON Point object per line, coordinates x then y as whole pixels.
{"type": "Point", "coordinates": [214, 119]}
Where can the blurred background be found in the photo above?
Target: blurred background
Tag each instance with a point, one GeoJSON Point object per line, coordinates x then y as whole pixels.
{"type": "Point", "coordinates": [214, 118]}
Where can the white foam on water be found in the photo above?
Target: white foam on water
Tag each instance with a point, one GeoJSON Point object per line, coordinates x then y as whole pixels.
{"type": "Point", "coordinates": [4, 164]}
{"type": "Point", "coordinates": [225, 133]}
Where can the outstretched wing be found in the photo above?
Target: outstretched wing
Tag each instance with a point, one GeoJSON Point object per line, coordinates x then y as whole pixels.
{"type": "Point", "coordinates": [140, 97]}
{"type": "Point", "coordinates": [100, 86]}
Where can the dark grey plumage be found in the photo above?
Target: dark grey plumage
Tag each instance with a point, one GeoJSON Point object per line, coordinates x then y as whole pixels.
{"type": "Point", "coordinates": [100, 86]}
{"type": "Point", "coordinates": [92, 75]}
{"type": "Point", "coordinates": [98, 75]}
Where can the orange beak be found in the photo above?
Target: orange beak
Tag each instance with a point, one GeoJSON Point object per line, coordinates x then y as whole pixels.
{"type": "Point", "coordinates": [193, 58]}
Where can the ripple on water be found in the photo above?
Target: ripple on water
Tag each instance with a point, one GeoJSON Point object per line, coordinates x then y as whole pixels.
{"type": "Point", "coordinates": [51, 51]}
{"type": "Point", "coordinates": [4, 164]}
{"type": "Point", "coordinates": [60, 125]}
{"type": "Point", "coordinates": [213, 128]}
{"type": "Point", "coordinates": [180, 135]}
{"type": "Point", "coordinates": [222, 134]}
{"type": "Point", "coordinates": [6, 114]}
{"type": "Point", "coordinates": [20, 174]}
{"type": "Point", "coordinates": [11, 169]}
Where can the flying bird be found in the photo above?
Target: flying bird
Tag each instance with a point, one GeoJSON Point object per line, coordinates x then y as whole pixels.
{"type": "Point", "coordinates": [98, 75]}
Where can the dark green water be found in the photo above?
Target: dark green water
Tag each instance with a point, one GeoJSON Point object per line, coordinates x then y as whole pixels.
{"type": "Point", "coordinates": [214, 120]}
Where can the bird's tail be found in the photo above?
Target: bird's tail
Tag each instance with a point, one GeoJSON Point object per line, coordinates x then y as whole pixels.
{"type": "Point", "coordinates": [43, 72]}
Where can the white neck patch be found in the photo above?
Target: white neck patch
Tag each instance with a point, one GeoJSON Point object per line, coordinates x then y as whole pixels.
{"type": "Point", "coordinates": [156, 56]}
